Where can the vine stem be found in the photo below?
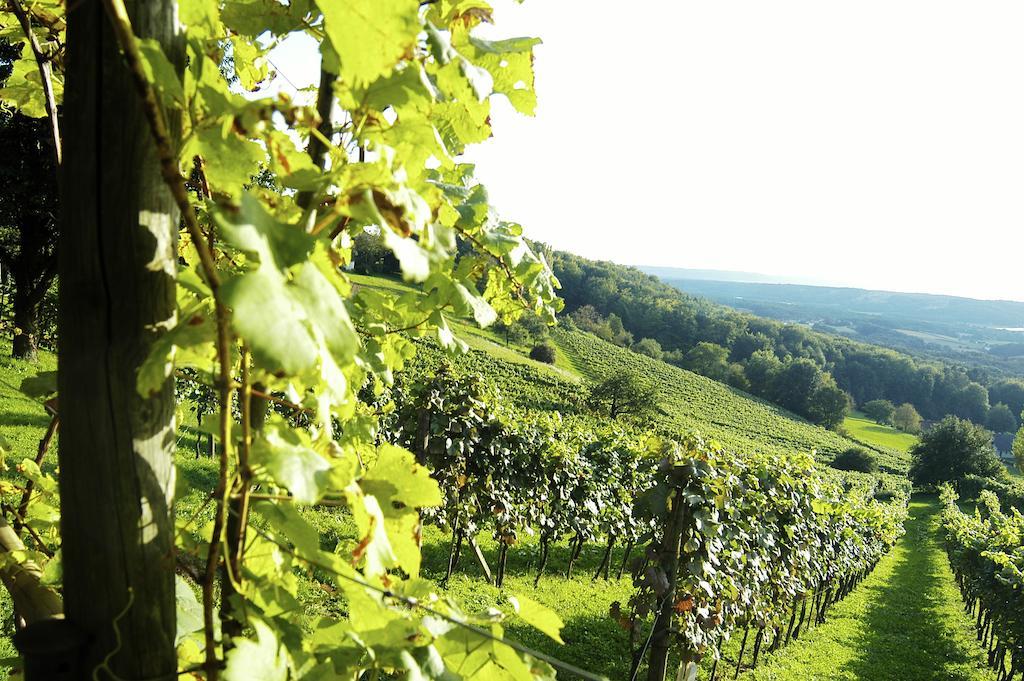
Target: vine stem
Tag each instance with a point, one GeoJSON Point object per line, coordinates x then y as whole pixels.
{"type": "Point", "coordinates": [45, 75]}
{"type": "Point", "coordinates": [125, 35]}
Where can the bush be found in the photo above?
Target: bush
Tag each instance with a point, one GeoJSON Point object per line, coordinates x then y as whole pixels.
{"type": "Point", "coordinates": [543, 352]}
{"type": "Point", "coordinates": [856, 459]}
{"type": "Point", "coordinates": [951, 449]}
{"type": "Point", "coordinates": [879, 410]}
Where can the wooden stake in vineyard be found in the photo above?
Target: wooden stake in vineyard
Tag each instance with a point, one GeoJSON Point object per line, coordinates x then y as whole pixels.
{"type": "Point", "coordinates": [668, 562]}
{"type": "Point", "coordinates": [117, 264]}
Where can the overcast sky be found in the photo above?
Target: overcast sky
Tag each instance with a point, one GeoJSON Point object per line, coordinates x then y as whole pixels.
{"type": "Point", "coordinates": [877, 143]}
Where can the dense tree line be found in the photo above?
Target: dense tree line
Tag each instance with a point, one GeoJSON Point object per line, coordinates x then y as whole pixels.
{"type": "Point", "coordinates": [803, 370]}
{"type": "Point", "coordinates": [28, 222]}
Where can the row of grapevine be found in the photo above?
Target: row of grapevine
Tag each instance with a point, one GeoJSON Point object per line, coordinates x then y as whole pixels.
{"type": "Point", "coordinates": [512, 471]}
{"type": "Point", "coordinates": [747, 543]}
{"type": "Point", "coordinates": [761, 542]}
{"type": "Point", "coordinates": [986, 552]}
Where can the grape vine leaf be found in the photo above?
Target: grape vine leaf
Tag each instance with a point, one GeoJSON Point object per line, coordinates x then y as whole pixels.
{"type": "Point", "coordinates": [292, 463]}
{"type": "Point", "coordinates": [370, 36]}
{"type": "Point", "coordinates": [538, 616]}
{"type": "Point", "coordinates": [264, 659]}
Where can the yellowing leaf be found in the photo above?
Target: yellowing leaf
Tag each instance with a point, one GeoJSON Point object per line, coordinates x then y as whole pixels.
{"type": "Point", "coordinates": [538, 616]}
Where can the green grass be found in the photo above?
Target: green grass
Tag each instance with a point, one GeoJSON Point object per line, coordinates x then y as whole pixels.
{"type": "Point", "coordinates": [904, 622]}
{"type": "Point", "coordinates": [22, 423]}
{"type": "Point", "coordinates": [860, 427]}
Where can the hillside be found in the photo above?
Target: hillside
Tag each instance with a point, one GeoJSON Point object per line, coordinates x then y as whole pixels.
{"type": "Point", "coordinates": [792, 365]}
{"type": "Point", "coordinates": [985, 332]}
{"type": "Point", "coordinates": [689, 402]}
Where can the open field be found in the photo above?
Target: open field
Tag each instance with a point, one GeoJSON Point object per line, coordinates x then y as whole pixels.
{"type": "Point", "coordinates": [864, 429]}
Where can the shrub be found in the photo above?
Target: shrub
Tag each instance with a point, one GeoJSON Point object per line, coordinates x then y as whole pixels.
{"type": "Point", "coordinates": [952, 449]}
{"type": "Point", "coordinates": [856, 459]}
{"type": "Point", "coordinates": [543, 352]}
{"type": "Point", "coordinates": [879, 410]}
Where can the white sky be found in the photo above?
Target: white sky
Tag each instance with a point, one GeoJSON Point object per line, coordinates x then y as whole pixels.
{"type": "Point", "coordinates": [877, 143]}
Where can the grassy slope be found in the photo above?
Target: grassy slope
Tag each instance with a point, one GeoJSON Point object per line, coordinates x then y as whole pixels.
{"type": "Point", "coordinates": [736, 419]}
{"type": "Point", "coordinates": [869, 432]}
{"type": "Point", "coordinates": [904, 622]}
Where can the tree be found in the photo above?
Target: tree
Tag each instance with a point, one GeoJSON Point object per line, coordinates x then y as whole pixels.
{"type": "Point", "coordinates": [1018, 449]}
{"type": "Point", "coordinates": [856, 459]}
{"type": "Point", "coordinates": [512, 332]}
{"type": "Point", "coordinates": [761, 370]}
{"type": "Point", "coordinates": [971, 403]}
{"type": "Point", "coordinates": [794, 386]}
{"type": "Point", "coordinates": [879, 410]}
{"type": "Point", "coordinates": [28, 213]}
{"type": "Point", "coordinates": [649, 347]}
{"type": "Point", "coordinates": [1001, 419]}
{"type": "Point", "coordinates": [950, 450]}
{"type": "Point", "coordinates": [828, 405]}
{"type": "Point", "coordinates": [371, 256]}
{"type": "Point", "coordinates": [708, 359]}
{"type": "Point", "coordinates": [906, 418]}
{"type": "Point", "coordinates": [624, 393]}
{"type": "Point", "coordinates": [1009, 392]}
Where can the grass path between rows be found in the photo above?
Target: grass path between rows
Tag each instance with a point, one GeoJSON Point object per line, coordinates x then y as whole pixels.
{"type": "Point", "coordinates": [904, 623]}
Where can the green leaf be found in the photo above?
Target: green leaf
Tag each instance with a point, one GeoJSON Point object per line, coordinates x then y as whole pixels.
{"type": "Point", "coordinates": [253, 230]}
{"type": "Point", "coordinates": [42, 385]}
{"type": "Point", "coordinates": [270, 321]}
{"type": "Point", "coordinates": [370, 36]}
{"type": "Point", "coordinates": [264, 659]}
{"type": "Point", "coordinates": [411, 256]}
{"type": "Point", "coordinates": [397, 477]}
{"type": "Point", "coordinates": [24, 90]}
{"type": "Point", "coordinates": [538, 616]}
{"type": "Point", "coordinates": [195, 329]}
{"type": "Point", "coordinates": [161, 73]}
{"type": "Point", "coordinates": [189, 617]}
{"type": "Point", "coordinates": [202, 17]}
{"type": "Point", "coordinates": [290, 461]}
{"type": "Point", "coordinates": [250, 64]}
{"type": "Point", "coordinates": [231, 160]}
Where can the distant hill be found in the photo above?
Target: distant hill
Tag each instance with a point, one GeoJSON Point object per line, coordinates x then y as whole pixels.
{"type": "Point", "coordinates": [996, 314]}
{"type": "Point", "coordinates": [667, 273]}
{"type": "Point", "coordinates": [984, 333]}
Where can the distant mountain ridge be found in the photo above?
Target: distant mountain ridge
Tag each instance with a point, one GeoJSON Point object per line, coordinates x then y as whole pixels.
{"type": "Point", "coordinates": [729, 275]}
{"type": "Point", "coordinates": [829, 300]}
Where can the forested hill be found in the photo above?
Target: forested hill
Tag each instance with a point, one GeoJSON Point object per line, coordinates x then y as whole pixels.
{"type": "Point", "coordinates": [926, 307]}
{"type": "Point", "coordinates": [790, 364]}
{"type": "Point", "coordinates": [987, 334]}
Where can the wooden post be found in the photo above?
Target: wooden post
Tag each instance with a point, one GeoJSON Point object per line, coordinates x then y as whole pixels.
{"type": "Point", "coordinates": [117, 265]}
{"type": "Point", "coordinates": [606, 560]}
{"type": "Point", "coordinates": [544, 541]}
{"type": "Point", "coordinates": [668, 561]}
{"type": "Point", "coordinates": [481, 560]}
{"type": "Point", "coordinates": [625, 558]}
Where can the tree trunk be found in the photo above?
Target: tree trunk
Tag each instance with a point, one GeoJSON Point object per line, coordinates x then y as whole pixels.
{"type": "Point", "coordinates": [26, 339]}
{"type": "Point", "coordinates": [117, 263]}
